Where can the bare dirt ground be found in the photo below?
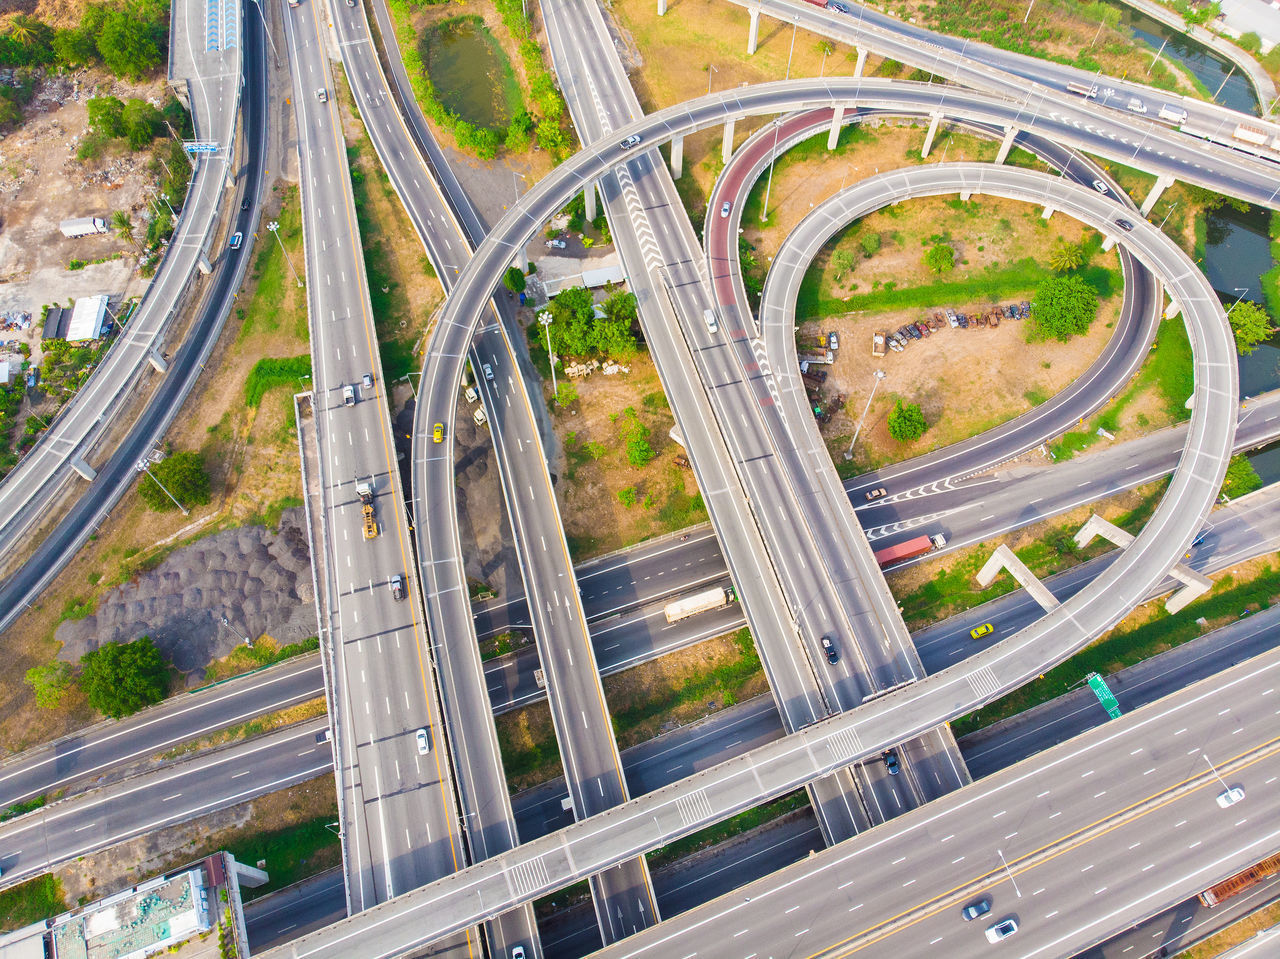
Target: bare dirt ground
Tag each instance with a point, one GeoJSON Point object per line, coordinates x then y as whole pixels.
{"type": "Point", "coordinates": [252, 458]}
{"type": "Point", "coordinates": [128, 863]}
{"type": "Point", "coordinates": [43, 183]}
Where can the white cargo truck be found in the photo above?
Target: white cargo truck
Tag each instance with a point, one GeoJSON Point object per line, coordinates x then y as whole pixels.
{"type": "Point", "coordinates": [82, 226]}
{"type": "Point", "coordinates": [702, 602]}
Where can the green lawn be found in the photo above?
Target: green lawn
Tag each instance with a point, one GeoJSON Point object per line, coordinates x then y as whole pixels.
{"type": "Point", "coordinates": [291, 854]}
{"type": "Point", "coordinates": [31, 901]}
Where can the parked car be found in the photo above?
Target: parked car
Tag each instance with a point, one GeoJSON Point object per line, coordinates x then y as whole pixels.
{"type": "Point", "coordinates": [890, 757]}
{"type": "Point", "coordinates": [556, 244]}
{"type": "Point", "coordinates": [631, 141]}
{"type": "Point", "coordinates": [424, 742]}
{"type": "Point", "coordinates": [1002, 929]}
{"type": "Point", "coordinates": [976, 909]}
{"type": "Point", "coordinates": [236, 239]}
{"type": "Point", "coordinates": [924, 330]}
{"type": "Point", "coordinates": [875, 494]}
{"type": "Point", "coordinates": [724, 209]}
{"type": "Point", "coordinates": [833, 340]}
{"type": "Point", "coordinates": [397, 586]}
{"type": "Point", "coordinates": [979, 631]}
{"type": "Point", "coordinates": [829, 647]}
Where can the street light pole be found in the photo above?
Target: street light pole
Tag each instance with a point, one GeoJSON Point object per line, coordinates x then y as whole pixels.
{"type": "Point", "coordinates": [545, 319]}
{"type": "Point", "coordinates": [1009, 872]}
{"type": "Point", "coordinates": [794, 25]}
{"type": "Point", "coordinates": [1029, 6]}
{"type": "Point", "coordinates": [711, 68]}
{"type": "Point", "coordinates": [768, 187]}
{"type": "Point", "coordinates": [274, 227]}
{"type": "Point", "coordinates": [1214, 770]}
{"type": "Point", "coordinates": [848, 454]}
{"type": "Point", "coordinates": [515, 184]}
{"type": "Point", "coordinates": [267, 30]}
{"type": "Point", "coordinates": [1242, 290]}
{"type": "Point", "coordinates": [410, 382]}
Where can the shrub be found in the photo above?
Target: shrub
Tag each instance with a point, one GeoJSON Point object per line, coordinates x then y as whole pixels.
{"type": "Point", "coordinates": [906, 422]}
{"type": "Point", "coordinates": [1250, 324]}
{"type": "Point", "coordinates": [183, 475]}
{"type": "Point", "coordinates": [49, 682]}
{"type": "Point", "coordinates": [941, 258]}
{"type": "Point", "coordinates": [121, 678]}
{"type": "Point", "coordinates": [870, 243]}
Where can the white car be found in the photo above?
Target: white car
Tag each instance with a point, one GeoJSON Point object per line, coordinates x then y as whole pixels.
{"type": "Point", "coordinates": [631, 141]}
{"type": "Point", "coordinates": [724, 209]}
{"type": "Point", "coordinates": [424, 744]}
{"type": "Point", "coordinates": [488, 372]}
{"type": "Point", "coordinates": [1002, 929]}
{"type": "Point", "coordinates": [1101, 187]}
{"type": "Point", "coordinates": [1231, 796]}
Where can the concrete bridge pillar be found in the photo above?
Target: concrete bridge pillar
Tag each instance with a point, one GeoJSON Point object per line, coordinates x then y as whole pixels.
{"type": "Point", "coordinates": [1172, 310]}
{"type": "Point", "coordinates": [1193, 583]}
{"type": "Point", "coordinates": [862, 61]}
{"type": "Point", "coordinates": [156, 360]}
{"type": "Point", "coordinates": [1162, 183]}
{"type": "Point", "coordinates": [727, 150]}
{"type": "Point", "coordinates": [589, 195]}
{"type": "Point", "coordinates": [928, 137]}
{"type": "Point", "coordinates": [662, 8]}
{"type": "Point", "coordinates": [522, 259]}
{"type": "Point", "coordinates": [84, 469]}
{"type": "Point", "coordinates": [964, 195]}
{"type": "Point", "coordinates": [1006, 144]}
{"type": "Point", "coordinates": [755, 31]}
{"type": "Point", "coordinates": [1107, 243]}
{"type": "Point", "coordinates": [1048, 212]}
{"type": "Point", "coordinates": [834, 135]}
{"type": "Point", "coordinates": [677, 157]}
{"type": "Point", "coordinates": [1004, 558]}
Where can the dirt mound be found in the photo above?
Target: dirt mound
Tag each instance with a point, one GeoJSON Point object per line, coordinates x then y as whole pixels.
{"type": "Point", "coordinates": [260, 580]}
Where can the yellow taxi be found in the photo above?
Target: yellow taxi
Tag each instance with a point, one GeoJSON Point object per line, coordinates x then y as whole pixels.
{"type": "Point", "coordinates": [437, 433]}
{"type": "Point", "coordinates": [979, 631]}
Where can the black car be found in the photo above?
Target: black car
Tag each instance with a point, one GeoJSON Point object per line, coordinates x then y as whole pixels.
{"type": "Point", "coordinates": [244, 204]}
{"type": "Point", "coordinates": [890, 758]}
{"type": "Point", "coordinates": [976, 909]}
{"type": "Point", "coordinates": [829, 647]}
{"type": "Point", "coordinates": [914, 333]}
{"type": "Point", "coordinates": [1124, 225]}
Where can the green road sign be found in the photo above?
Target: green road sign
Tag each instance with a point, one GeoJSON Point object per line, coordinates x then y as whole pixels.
{"type": "Point", "coordinates": [1099, 687]}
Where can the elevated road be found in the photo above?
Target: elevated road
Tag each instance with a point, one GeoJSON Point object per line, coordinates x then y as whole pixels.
{"type": "Point", "coordinates": [453, 902]}
{"type": "Point", "coordinates": [399, 820]}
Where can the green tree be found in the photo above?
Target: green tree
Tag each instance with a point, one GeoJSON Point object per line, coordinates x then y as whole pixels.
{"type": "Point", "coordinates": [1065, 306]}
{"type": "Point", "coordinates": [906, 422]}
{"type": "Point", "coordinates": [841, 262]}
{"type": "Point", "coordinates": [142, 123]}
{"type": "Point", "coordinates": [566, 393]}
{"type": "Point", "coordinates": [941, 258]}
{"type": "Point", "coordinates": [870, 243]}
{"type": "Point", "coordinates": [627, 496]}
{"type": "Point", "coordinates": [1065, 257]}
{"type": "Point", "coordinates": [513, 279]}
{"type": "Point", "coordinates": [183, 475]}
{"type": "Point", "coordinates": [122, 223]}
{"type": "Point", "coordinates": [1250, 324]}
{"type": "Point", "coordinates": [128, 44]}
{"type": "Point", "coordinates": [121, 678]}
{"type": "Point", "coordinates": [106, 116]}
{"type": "Point", "coordinates": [49, 682]}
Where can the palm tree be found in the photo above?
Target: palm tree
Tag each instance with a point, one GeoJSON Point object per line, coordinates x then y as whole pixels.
{"type": "Point", "coordinates": [21, 29]}
{"type": "Point", "coordinates": [123, 225]}
{"type": "Point", "coordinates": [1065, 257]}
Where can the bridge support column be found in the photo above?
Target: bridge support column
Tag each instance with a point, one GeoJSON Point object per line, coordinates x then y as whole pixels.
{"type": "Point", "coordinates": [677, 157]}
{"type": "Point", "coordinates": [964, 195]}
{"type": "Point", "coordinates": [1162, 183]}
{"type": "Point", "coordinates": [1194, 584]}
{"type": "Point", "coordinates": [928, 137]}
{"type": "Point", "coordinates": [727, 150]}
{"type": "Point", "coordinates": [1006, 144]}
{"type": "Point", "coordinates": [862, 61]}
{"type": "Point", "coordinates": [1003, 558]}
{"type": "Point", "coordinates": [522, 259]}
{"type": "Point", "coordinates": [754, 36]}
{"type": "Point", "coordinates": [84, 469]}
{"type": "Point", "coordinates": [1107, 243]}
{"type": "Point", "coordinates": [589, 195]}
{"type": "Point", "coordinates": [1048, 212]}
{"type": "Point", "coordinates": [248, 875]}
{"type": "Point", "coordinates": [834, 135]}
{"type": "Point", "coordinates": [662, 8]}
{"type": "Point", "coordinates": [1172, 310]}
{"type": "Point", "coordinates": [157, 361]}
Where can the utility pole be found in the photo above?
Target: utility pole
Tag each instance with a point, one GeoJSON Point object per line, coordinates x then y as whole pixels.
{"type": "Point", "coordinates": [274, 227]}
{"type": "Point", "coordinates": [545, 319]}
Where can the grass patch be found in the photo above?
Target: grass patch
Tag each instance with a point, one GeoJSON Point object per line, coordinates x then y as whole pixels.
{"type": "Point", "coordinates": [990, 286]}
{"type": "Point", "coordinates": [1126, 645]}
{"type": "Point", "coordinates": [270, 516]}
{"type": "Point", "coordinates": [292, 853]}
{"type": "Point", "coordinates": [21, 808]}
{"type": "Point", "coordinates": [253, 727]}
{"type": "Point", "coordinates": [1167, 370]}
{"type": "Point", "coordinates": [268, 374]}
{"type": "Point", "coordinates": [953, 588]}
{"type": "Point", "coordinates": [728, 829]}
{"type": "Point", "coordinates": [265, 652]}
{"type": "Point", "coordinates": [31, 901]}
{"type": "Point", "coordinates": [276, 301]}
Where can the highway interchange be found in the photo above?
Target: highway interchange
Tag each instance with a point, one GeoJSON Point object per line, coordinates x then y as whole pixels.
{"type": "Point", "coordinates": [383, 649]}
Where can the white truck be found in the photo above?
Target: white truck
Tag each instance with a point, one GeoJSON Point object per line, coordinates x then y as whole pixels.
{"type": "Point", "coordinates": [702, 602]}
{"type": "Point", "coordinates": [1172, 114]}
{"type": "Point", "coordinates": [82, 226]}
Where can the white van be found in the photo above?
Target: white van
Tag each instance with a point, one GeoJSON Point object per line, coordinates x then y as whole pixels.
{"type": "Point", "coordinates": [1173, 114]}
{"type": "Point", "coordinates": [710, 318]}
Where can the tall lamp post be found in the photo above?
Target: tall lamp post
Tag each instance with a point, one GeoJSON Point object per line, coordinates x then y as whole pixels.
{"type": "Point", "coordinates": [545, 319]}
{"type": "Point", "coordinates": [711, 68]}
{"type": "Point", "coordinates": [848, 454]}
{"type": "Point", "coordinates": [267, 30]}
{"type": "Point", "coordinates": [274, 227]}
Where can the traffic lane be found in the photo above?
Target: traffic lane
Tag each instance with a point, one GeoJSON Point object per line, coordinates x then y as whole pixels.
{"type": "Point", "coordinates": [1056, 721]}
{"type": "Point", "coordinates": [177, 720]}
{"type": "Point", "coordinates": [1019, 811]}
{"type": "Point", "coordinates": [296, 910]}
{"type": "Point", "coordinates": [73, 827]}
